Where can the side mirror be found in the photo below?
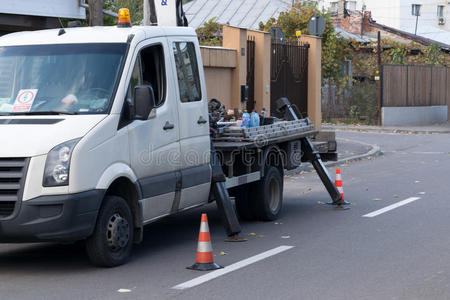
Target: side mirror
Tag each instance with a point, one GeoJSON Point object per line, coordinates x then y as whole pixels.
{"type": "Point", "coordinates": [144, 101]}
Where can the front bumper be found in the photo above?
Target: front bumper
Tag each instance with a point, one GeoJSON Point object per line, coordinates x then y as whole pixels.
{"type": "Point", "coordinates": [62, 218]}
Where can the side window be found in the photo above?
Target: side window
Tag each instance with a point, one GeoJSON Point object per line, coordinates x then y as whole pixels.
{"type": "Point", "coordinates": [135, 79]}
{"type": "Point", "coordinates": [149, 70]}
{"type": "Point", "coordinates": [154, 71]}
{"type": "Point", "coordinates": [187, 71]}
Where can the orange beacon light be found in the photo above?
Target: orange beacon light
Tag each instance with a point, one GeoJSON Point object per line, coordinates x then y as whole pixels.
{"type": "Point", "coordinates": [124, 18]}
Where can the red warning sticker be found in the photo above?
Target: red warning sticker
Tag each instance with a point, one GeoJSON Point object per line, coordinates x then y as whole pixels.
{"type": "Point", "coordinates": [24, 100]}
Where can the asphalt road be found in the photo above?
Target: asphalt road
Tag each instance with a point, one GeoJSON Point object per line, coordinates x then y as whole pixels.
{"type": "Point", "coordinates": [400, 254]}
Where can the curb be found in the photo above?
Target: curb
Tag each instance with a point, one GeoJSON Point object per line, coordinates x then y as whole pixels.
{"type": "Point", "coordinates": [385, 130]}
{"type": "Point", "coordinates": [373, 152]}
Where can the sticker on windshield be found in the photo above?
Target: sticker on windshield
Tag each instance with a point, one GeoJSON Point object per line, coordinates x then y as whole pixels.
{"type": "Point", "coordinates": [24, 100]}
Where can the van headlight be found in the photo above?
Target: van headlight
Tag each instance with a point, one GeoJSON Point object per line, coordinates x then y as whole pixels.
{"type": "Point", "coordinates": [57, 165]}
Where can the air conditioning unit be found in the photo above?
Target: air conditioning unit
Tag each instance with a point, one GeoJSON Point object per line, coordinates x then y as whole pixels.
{"type": "Point", "coordinates": [441, 21]}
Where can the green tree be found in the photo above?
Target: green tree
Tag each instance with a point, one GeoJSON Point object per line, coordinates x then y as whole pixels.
{"type": "Point", "coordinates": [397, 56]}
{"type": "Point", "coordinates": [136, 8]}
{"type": "Point", "coordinates": [433, 55]}
{"type": "Point", "coordinates": [210, 33]}
{"type": "Point", "coordinates": [335, 49]}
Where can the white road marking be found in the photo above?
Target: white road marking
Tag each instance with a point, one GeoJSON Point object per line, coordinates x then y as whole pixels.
{"type": "Point", "coordinates": [415, 152]}
{"type": "Point", "coordinates": [427, 152]}
{"type": "Point", "coordinates": [391, 207]}
{"type": "Point", "coordinates": [236, 266]}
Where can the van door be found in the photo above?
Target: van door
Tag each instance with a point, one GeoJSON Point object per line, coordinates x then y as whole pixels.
{"type": "Point", "coordinates": [154, 143]}
{"type": "Point", "coordinates": [194, 125]}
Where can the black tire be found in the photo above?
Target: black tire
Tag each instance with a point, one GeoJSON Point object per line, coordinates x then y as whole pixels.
{"type": "Point", "coordinates": [110, 244]}
{"type": "Point", "coordinates": [267, 198]}
{"type": "Point", "coordinates": [243, 202]}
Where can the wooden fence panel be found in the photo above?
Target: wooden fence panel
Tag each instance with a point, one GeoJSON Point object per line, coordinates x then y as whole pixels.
{"type": "Point", "coordinates": [438, 86]}
{"type": "Point", "coordinates": [447, 86]}
{"type": "Point", "coordinates": [415, 85]}
{"type": "Point", "coordinates": [419, 84]}
{"type": "Point", "coordinates": [395, 83]}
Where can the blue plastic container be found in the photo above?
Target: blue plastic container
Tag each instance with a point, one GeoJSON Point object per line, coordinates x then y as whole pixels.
{"type": "Point", "coordinates": [245, 120]}
{"type": "Point", "coordinates": [254, 121]}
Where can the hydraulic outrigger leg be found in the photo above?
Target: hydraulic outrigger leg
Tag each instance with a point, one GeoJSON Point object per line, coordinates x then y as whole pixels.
{"type": "Point", "coordinates": [229, 218]}
{"type": "Point", "coordinates": [313, 156]}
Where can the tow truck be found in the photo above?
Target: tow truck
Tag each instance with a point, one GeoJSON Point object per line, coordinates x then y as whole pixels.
{"type": "Point", "coordinates": [106, 129]}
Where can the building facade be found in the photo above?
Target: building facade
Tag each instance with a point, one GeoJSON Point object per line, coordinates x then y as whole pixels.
{"type": "Point", "coordinates": [433, 21]}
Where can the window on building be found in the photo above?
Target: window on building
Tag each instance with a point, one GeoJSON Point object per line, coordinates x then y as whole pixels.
{"type": "Point", "coordinates": [334, 6]}
{"type": "Point", "coordinates": [187, 71]}
{"type": "Point", "coordinates": [350, 5]}
{"type": "Point", "coordinates": [415, 9]}
{"type": "Point", "coordinates": [440, 11]}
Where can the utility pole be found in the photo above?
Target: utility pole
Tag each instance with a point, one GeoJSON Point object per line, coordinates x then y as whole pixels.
{"type": "Point", "coordinates": [95, 12]}
{"type": "Point", "coordinates": [416, 12]}
{"type": "Point", "coordinates": [378, 77]}
{"type": "Point", "coordinates": [362, 21]}
{"type": "Point", "coordinates": [417, 20]}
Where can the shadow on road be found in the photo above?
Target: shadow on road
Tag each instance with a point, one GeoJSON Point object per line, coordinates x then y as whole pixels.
{"type": "Point", "coordinates": [164, 235]}
{"type": "Point", "coordinates": [178, 229]}
{"type": "Point", "coordinates": [158, 237]}
{"type": "Point", "coordinates": [42, 257]}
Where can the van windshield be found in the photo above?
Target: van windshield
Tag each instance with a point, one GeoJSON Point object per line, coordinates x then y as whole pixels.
{"type": "Point", "coordinates": [69, 78]}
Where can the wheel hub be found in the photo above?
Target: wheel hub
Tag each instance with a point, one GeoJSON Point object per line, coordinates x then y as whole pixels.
{"type": "Point", "coordinates": [274, 190]}
{"type": "Point", "coordinates": [118, 233]}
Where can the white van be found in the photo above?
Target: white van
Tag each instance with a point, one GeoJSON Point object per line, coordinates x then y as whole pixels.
{"type": "Point", "coordinates": [84, 153]}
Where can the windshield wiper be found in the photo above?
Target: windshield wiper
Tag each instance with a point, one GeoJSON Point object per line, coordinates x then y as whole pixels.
{"type": "Point", "coordinates": [50, 112]}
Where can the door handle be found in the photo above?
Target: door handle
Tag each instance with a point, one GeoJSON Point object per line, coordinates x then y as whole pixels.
{"type": "Point", "coordinates": [201, 120]}
{"type": "Point", "coordinates": [168, 126]}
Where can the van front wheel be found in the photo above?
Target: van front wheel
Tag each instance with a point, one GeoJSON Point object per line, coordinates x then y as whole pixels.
{"type": "Point", "coordinates": [110, 244]}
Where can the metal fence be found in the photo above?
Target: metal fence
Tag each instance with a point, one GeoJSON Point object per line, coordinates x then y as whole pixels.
{"type": "Point", "coordinates": [289, 74]}
{"type": "Point", "coordinates": [251, 73]}
{"type": "Point", "coordinates": [411, 85]}
{"type": "Point", "coordinates": [355, 103]}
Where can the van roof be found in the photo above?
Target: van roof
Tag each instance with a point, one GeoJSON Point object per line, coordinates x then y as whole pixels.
{"type": "Point", "coordinates": [97, 34]}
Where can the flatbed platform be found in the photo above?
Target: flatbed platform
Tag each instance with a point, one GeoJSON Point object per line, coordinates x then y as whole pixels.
{"type": "Point", "coordinates": [258, 137]}
{"type": "Point", "coordinates": [258, 143]}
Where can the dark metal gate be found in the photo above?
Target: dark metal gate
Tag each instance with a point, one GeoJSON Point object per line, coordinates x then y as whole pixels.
{"type": "Point", "coordinates": [251, 73]}
{"type": "Point", "coordinates": [289, 75]}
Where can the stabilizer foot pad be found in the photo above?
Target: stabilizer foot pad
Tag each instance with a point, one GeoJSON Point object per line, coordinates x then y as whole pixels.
{"type": "Point", "coordinates": [235, 238]}
{"type": "Point", "coordinates": [338, 204]}
{"type": "Point", "coordinates": [340, 207]}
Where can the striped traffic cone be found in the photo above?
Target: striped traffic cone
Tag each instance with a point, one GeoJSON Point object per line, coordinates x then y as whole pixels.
{"type": "Point", "coordinates": [204, 260]}
{"type": "Point", "coordinates": [338, 183]}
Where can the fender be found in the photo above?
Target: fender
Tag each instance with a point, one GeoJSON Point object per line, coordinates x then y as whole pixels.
{"type": "Point", "coordinates": [115, 171]}
{"type": "Point", "coordinates": [121, 170]}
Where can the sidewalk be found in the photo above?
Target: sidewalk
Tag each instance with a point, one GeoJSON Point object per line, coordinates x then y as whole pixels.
{"type": "Point", "coordinates": [348, 150]}
{"type": "Point", "coordinates": [431, 129]}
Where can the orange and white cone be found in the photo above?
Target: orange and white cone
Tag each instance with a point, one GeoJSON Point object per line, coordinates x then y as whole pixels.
{"type": "Point", "coordinates": [338, 183]}
{"type": "Point", "coordinates": [204, 260]}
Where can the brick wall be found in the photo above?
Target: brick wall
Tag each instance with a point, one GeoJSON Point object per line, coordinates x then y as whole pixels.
{"type": "Point", "coordinates": [352, 23]}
